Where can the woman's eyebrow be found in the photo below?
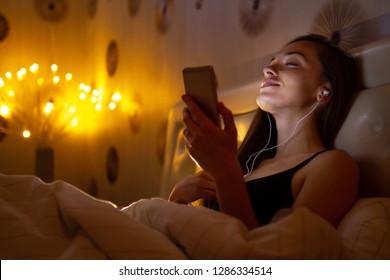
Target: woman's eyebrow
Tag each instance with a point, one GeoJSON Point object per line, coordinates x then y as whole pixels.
{"type": "Point", "coordinates": [295, 53]}
{"type": "Point", "coordinates": [290, 54]}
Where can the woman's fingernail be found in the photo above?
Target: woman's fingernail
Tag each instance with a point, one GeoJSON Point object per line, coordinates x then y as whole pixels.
{"type": "Point", "coordinates": [185, 112]}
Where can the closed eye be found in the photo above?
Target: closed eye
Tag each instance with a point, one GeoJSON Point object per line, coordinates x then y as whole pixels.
{"type": "Point", "coordinates": [292, 64]}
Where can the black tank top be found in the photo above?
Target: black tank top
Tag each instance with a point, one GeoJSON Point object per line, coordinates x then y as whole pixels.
{"type": "Point", "coordinates": [272, 193]}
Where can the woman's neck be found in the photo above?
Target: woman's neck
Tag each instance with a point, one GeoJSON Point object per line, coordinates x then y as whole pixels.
{"type": "Point", "coordinates": [296, 138]}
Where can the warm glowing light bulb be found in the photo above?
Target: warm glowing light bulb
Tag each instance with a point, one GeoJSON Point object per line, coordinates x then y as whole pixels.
{"type": "Point", "coordinates": [68, 76]}
{"type": "Point", "coordinates": [4, 110]}
{"type": "Point", "coordinates": [8, 75]}
{"type": "Point", "coordinates": [81, 86]}
{"type": "Point", "coordinates": [96, 92]}
{"type": "Point", "coordinates": [26, 133]}
{"type": "Point", "coordinates": [72, 110]}
{"type": "Point", "coordinates": [98, 107]}
{"type": "Point", "coordinates": [94, 99]}
{"type": "Point", "coordinates": [74, 122]}
{"type": "Point", "coordinates": [112, 105]}
{"type": "Point", "coordinates": [116, 97]}
{"type": "Point", "coordinates": [87, 88]}
{"type": "Point", "coordinates": [54, 68]}
{"type": "Point", "coordinates": [21, 73]}
{"type": "Point", "coordinates": [56, 79]}
{"type": "Point", "coordinates": [48, 107]}
{"type": "Point", "coordinates": [82, 96]}
{"type": "Point", "coordinates": [1, 82]}
{"type": "Point", "coordinates": [34, 68]}
{"type": "Point", "coordinates": [11, 93]}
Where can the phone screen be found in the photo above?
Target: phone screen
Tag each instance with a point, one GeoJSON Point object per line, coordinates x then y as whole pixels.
{"type": "Point", "coordinates": [200, 83]}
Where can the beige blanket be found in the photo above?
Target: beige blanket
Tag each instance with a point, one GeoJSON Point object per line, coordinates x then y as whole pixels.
{"type": "Point", "coordinates": [58, 221]}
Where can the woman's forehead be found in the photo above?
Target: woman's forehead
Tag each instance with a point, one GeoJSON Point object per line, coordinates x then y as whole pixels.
{"type": "Point", "coordinates": [305, 48]}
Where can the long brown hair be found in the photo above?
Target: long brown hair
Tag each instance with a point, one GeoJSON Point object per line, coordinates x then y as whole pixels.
{"type": "Point", "coordinates": [339, 69]}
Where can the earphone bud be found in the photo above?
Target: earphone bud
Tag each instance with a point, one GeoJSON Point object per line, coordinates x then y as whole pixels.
{"type": "Point", "coordinates": [325, 92]}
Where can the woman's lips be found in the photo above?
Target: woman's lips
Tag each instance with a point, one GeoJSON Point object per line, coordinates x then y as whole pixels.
{"type": "Point", "coordinates": [269, 83]}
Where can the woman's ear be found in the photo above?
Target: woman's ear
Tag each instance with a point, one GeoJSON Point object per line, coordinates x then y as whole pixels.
{"type": "Point", "coordinates": [325, 93]}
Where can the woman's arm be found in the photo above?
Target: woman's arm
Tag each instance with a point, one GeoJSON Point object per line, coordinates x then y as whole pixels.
{"type": "Point", "coordinates": [215, 150]}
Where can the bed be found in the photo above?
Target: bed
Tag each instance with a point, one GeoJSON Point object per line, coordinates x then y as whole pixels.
{"type": "Point", "coordinates": [58, 221]}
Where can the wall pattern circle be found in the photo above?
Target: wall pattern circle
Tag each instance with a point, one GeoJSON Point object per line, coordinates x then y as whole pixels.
{"type": "Point", "coordinates": [51, 10]}
{"type": "Point", "coordinates": [4, 27]}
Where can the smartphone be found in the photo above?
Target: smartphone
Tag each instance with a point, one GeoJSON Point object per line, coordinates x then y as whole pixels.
{"type": "Point", "coordinates": [201, 84]}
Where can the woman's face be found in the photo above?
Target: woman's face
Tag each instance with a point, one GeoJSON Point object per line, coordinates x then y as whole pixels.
{"type": "Point", "coordinates": [293, 79]}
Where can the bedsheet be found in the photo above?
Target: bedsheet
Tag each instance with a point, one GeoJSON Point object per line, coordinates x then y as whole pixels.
{"type": "Point", "coordinates": [59, 221]}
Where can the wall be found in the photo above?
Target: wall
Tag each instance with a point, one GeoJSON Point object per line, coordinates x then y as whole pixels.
{"type": "Point", "coordinates": [149, 72]}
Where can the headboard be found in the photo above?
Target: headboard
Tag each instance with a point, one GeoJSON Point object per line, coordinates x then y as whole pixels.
{"type": "Point", "coordinates": [365, 134]}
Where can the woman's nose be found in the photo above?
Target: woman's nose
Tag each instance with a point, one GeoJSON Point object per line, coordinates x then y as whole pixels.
{"type": "Point", "coordinates": [269, 71]}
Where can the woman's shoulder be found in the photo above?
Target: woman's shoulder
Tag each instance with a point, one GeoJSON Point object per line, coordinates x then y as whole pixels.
{"type": "Point", "coordinates": [336, 159]}
{"type": "Point", "coordinates": [334, 154]}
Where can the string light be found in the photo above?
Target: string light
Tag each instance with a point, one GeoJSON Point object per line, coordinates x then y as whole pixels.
{"type": "Point", "coordinates": [54, 68]}
{"type": "Point", "coordinates": [116, 97]}
{"type": "Point", "coordinates": [26, 134]}
{"type": "Point", "coordinates": [48, 107]}
{"type": "Point", "coordinates": [98, 107]}
{"type": "Point", "coordinates": [47, 118]}
{"type": "Point", "coordinates": [68, 76]}
{"type": "Point", "coordinates": [34, 68]}
{"type": "Point", "coordinates": [82, 96]}
{"type": "Point", "coordinates": [112, 105]}
{"type": "Point", "coordinates": [4, 110]}
{"type": "Point", "coordinates": [56, 79]}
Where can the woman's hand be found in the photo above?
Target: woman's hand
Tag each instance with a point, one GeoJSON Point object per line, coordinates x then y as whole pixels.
{"type": "Point", "coordinates": [194, 187]}
{"type": "Point", "coordinates": [209, 145]}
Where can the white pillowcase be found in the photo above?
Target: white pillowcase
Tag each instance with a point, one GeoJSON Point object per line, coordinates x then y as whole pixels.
{"type": "Point", "coordinates": [365, 230]}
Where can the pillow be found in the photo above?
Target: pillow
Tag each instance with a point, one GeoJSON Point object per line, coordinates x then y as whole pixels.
{"type": "Point", "coordinates": [365, 230]}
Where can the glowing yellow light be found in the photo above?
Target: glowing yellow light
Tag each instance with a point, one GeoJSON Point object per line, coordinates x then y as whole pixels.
{"type": "Point", "coordinates": [40, 81]}
{"type": "Point", "coordinates": [112, 105]}
{"type": "Point", "coordinates": [72, 110]}
{"type": "Point", "coordinates": [54, 68]}
{"type": "Point", "coordinates": [48, 108]}
{"type": "Point", "coordinates": [95, 92]}
{"type": "Point", "coordinates": [81, 86]}
{"type": "Point", "coordinates": [34, 68]}
{"type": "Point", "coordinates": [26, 133]}
{"type": "Point", "coordinates": [74, 122]}
{"type": "Point", "coordinates": [98, 107]}
{"type": "Point", "coordinates": [8, 75]}
{"type": "Point", "coordinates": [21, 73]}
{"type": "Point", "coordinates": [4, 110]}
{"type": "Point", "coordinates": [68, 76]}
{"type": "Point", "coordinates": [94, 99]}
{"type": "Point", "coordinates": [82, 96]}
{"type": "Point", "coordinates": [56, 79]}
{"type": "Point", "coordinates": [11, 93]}
{"type": "Point", "coordinates": [1, 82]}
{"type": "Point", "coordinates": [116, 97]}
{"type": "Point", "coordinates": [87, 88]}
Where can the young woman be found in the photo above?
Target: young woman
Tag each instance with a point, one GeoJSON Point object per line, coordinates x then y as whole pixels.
{"type": "Point", "coordinates": [287, 159]}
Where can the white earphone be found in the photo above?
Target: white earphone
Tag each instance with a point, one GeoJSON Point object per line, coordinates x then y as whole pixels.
{"type": "Point", "coordinates": [325, 92]}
